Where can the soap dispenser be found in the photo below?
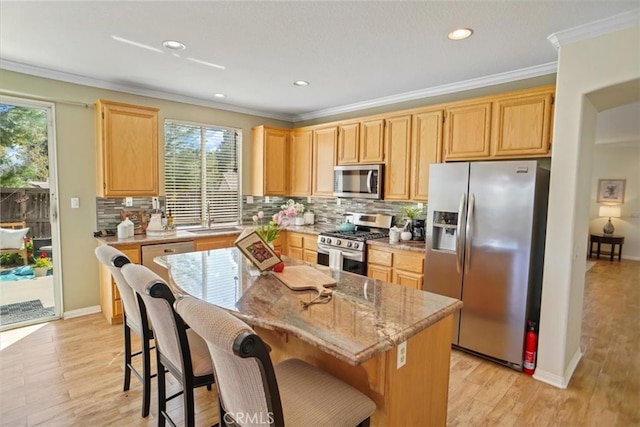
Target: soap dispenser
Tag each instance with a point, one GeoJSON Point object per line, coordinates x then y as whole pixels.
{"type": "Point", "coordinates": [129, 226]}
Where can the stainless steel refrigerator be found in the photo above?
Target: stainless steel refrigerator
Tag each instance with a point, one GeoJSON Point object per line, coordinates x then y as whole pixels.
{"type": "Point", "coordinates": [485, 245]}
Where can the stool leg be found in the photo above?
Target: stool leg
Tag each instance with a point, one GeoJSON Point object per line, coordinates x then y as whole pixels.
{"type": "Point", "coordinates": [146, 375]}
{"type": "Point", "coordinates": [127, 355]}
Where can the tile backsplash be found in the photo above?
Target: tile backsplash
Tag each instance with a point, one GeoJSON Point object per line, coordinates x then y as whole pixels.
{"type": "Point", "coordinates": [326, 209]}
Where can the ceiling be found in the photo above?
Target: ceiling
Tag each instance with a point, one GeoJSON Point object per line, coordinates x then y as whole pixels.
{"type": "Point", "coordinates": [355, 54]}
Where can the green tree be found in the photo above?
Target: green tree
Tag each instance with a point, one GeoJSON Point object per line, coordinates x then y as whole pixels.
{"type": "Point", "coordinates": [23, 146]}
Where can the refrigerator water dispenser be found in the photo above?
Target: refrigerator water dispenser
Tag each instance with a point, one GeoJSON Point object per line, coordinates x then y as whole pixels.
{"type": "Point", "coordinates": [444, 230]}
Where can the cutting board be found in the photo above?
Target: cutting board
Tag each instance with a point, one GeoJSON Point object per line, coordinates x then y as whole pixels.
{"type": "Point", "coordinates": [303, 277]}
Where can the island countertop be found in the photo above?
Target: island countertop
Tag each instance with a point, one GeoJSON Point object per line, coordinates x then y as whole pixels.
{"type": "Point", "coordinates": [365, 317]}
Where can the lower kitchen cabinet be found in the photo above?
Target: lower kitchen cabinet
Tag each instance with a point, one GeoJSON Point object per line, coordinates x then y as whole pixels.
{"type": "Point", "coordinates": [109, 296]}
{"type": "Point", "coordinates": [402, 267]}
{"type": "Point", "coordinates": [302, 246]}
{"type": "Point", "coordinates": [215, 242]}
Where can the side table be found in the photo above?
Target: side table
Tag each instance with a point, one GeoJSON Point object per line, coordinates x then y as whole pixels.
{"type": "Point", "coordinates": [611, 239]}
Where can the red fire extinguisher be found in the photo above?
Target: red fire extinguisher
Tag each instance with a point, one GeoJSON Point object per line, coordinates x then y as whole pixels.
{"type": "Point", "coordinates": [530, 347]}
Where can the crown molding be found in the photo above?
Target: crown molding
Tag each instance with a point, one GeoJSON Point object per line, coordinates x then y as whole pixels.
{"type": "Point", "coordinates": [597, 28]}
{"type": "Point", "coordinates": [102, 84]}
{"type": "Point", "coordinates": [495, 79]}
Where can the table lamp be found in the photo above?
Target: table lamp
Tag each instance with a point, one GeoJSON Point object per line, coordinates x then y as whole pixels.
{"type": "Point", "coordinates": [610, 211]}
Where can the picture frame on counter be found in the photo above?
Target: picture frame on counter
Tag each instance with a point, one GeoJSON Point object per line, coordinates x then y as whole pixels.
{"type": "Point", "coordinates": [611, 191]}
{"type": "Point", "coordinates": [256, 250]}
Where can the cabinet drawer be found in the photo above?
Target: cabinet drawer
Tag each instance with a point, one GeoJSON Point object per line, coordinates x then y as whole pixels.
{"type": "Point", "coordinates": [295, 240]}
{"type": "Point", "coordinates": [380, 257]}
{"type": "Point", "coordinates": [410, 262]}
{"type": "Point", "coordinates": [311, 243]}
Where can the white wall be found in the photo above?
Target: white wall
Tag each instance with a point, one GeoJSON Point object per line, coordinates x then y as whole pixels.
{"type": "Point", "coordinates": [619, 162]}
{"type": "Point", "coordinates": [588, 71]}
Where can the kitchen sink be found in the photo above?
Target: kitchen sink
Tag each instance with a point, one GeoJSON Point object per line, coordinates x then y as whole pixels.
{"type": "Point", "coordinates": [214, 231]}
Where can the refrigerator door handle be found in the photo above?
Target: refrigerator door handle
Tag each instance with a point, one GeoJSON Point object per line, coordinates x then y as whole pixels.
{"type": "Point", "coordinates": [463, 200]}
{"type": "Point", "coordinates": [469, 233]}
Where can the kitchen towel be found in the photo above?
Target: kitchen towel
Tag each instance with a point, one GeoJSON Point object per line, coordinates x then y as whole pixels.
{"type": "Point", "coordinates": [335, 259]}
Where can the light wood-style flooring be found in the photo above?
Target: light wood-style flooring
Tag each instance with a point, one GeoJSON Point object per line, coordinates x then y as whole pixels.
{"type": "Point", "coordinates": [69, 373]}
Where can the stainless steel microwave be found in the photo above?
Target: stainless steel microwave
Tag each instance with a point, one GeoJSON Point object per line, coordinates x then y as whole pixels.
{"type": "Point", "coordinates": [362, 181]}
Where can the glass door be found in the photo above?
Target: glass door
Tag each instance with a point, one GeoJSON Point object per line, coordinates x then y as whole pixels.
{"type": "Point", "coordinates": [30, 290]}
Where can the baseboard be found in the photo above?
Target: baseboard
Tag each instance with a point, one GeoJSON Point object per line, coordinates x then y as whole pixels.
{"type": "Point", "coordinates": [560, 381]}
{"type": "Point", "coordinates": [81, 312]}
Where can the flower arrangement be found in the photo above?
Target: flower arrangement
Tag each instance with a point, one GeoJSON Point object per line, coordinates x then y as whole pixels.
{"type": "Point", "coordinates": [269, 231]}
{"type": "Point", "coordinates": [292, 209]}
{"type": "Point", "coordinates": [42, 262]}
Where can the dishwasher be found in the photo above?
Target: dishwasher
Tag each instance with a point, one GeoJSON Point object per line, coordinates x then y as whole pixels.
{"type": "Point", "coordinates": [149, 252]}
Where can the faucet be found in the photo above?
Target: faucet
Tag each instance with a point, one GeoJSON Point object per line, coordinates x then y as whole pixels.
{"type": "Point", "coordinates": [209, 213]}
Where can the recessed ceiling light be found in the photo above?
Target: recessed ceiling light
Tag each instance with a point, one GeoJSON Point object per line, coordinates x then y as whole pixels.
{"type": "Point", "coordinates": [301, 83]}
{"type": "Point", "coordinates": [219, 95]}
{"type": "Point", "coordinates": [460, 33]}
{"type": "Point", "coordinates": [173, 45]}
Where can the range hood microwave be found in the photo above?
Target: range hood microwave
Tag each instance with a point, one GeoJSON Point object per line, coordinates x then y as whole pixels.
{"type": "Point", "coordinates": [358, 181]}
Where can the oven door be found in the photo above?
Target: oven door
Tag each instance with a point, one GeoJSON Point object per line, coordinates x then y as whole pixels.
{"type": "Point", "coordinates": [352, 261]}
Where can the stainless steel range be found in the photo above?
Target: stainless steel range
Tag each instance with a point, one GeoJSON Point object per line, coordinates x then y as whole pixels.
{"type": "Point", "coordinates": [347, 250]}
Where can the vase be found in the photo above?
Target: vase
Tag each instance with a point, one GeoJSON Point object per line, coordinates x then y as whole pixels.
{"type": "Point", "coordinates": [40, 271]}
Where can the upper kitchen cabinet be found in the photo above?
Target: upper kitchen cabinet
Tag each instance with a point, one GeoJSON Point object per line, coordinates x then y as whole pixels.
{"type": "Point", "coordinates": [511, 125]}
{"type": "Point", "coordinates": [127, 150]}
{"type": "Point", "coordinates": [270, 161]}
{"type": "Point", "coordinates": [301, 157]}
{"type": "Point", "coordinates": [349, 143]}
{"type": "Point", "coordinates": [324, 159]}
{"type": "Point", "coordinates": [521, 124]}
{"type": "Point", "coordinates": [397, 142]}
{"type": "Point", "coordinates": [426, 148]}
{"type": "Point", "coordinates": [361, 142]}
{"type": "Point", "coordinates": [467, 131]}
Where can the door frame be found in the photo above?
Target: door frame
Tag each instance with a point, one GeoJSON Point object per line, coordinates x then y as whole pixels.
{"type": "Point", "coordinates": [54, 221]}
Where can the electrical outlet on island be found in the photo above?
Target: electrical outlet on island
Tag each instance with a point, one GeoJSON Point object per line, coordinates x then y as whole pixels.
{"type": "Point", "coordinates": [402, 355]}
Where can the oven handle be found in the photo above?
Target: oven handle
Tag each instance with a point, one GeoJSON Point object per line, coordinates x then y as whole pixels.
{"type": "Point", "coordinates": [353, 255]}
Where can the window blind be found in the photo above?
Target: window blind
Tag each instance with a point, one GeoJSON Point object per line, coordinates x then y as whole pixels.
{"type": "Point", "coordinates": [201, 173]}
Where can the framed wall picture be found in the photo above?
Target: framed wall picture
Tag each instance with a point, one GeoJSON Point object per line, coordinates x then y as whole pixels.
{"type": "Point", "coordinates": [611, 191]}
{"type": "Point", "coordinates": [257, 251]}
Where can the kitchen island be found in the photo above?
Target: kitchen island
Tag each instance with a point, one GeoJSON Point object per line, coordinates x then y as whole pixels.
{"type": "Point", "coordinates": [358, 336]}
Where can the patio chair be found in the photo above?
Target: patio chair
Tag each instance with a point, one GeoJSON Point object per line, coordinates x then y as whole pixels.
{"type": "Point", "coordinates": [13, 239]}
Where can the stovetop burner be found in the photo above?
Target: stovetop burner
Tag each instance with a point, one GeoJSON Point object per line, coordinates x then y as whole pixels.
{"type": "Point", "coordinates": [359, 235]}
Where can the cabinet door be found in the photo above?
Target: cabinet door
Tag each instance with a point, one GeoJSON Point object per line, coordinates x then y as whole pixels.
{"type": "Point", "coordinates": [406, 279]}
{"type": "Point", "coordinates": [310, 256]}
{"type": "Point", "coordinates": [467, 131]}
{"type": "Point", "coordinates": [127, 148]}
{"type": "Point", "coordinates": [300, 162]}
{"type": "Point", "coordinates": [217, 242]}
{"type": "Point", "coordinates": [276, 162]}
{"type": "Point", "coordinates": [372, 141]}
{"type": "Point", "coordinates": [522, 125]}
{"type": "Point", "coordinates": [397, 137]}
{"type": "Point", "coordinates": [426, 148]}
{"type": "Point", "coordinates": [324, 159]}
{"type": "Point", "coordinates": [297, 253]}
{"type": "Point", "coordinates": [379, 272]}
{"type": "Point", "coordinates": [348, 143]}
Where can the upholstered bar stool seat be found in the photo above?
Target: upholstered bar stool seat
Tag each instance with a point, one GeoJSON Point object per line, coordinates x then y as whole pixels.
{"type": "Point", "coordinates": [251, 391]}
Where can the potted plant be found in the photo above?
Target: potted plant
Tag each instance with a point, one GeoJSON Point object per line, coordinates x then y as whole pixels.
{"type": "Point", "coordinates": [414, 225]}
{"type": "Point", "coordinates": [42, 265]}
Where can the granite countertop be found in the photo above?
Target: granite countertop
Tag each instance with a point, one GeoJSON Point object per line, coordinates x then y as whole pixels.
{"type": "Point", "coordinates": [185, 235]}
{"type": "Point", "coordinates": [404, 245]}
{"type": "Point", "coordinates": [365, 317]}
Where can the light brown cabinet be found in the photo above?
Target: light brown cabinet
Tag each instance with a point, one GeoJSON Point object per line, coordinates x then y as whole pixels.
{"type": "Point", "coordinates": [215, 242]}
{"type": "Point", "coordinates": [324, 159]}
{"type": "Point", "coordinates": [521, 125]}
{"type": "Point", "coordinates": [426, 149]}
{"type": "Point", "coordinates": [397, 145]}
{"type": "Point", "coordinates": [270, 161]}
{"type": "Point", "coordinates": [402, 267]}
{"type": "Point", "coordinates": [513, 125]}
{"type": "Point", "coordinates": [110, 302]}
{"type": "Point", "coordinates": [301, 161]}
{"type": "Point", "coordinates": [302, 246]}
{"type": "Point", "coordinates": [127, 150]}
{"type": "Point", "coordinates": [467, 134]}
{"type": "Point", "coordinates": [361, 142]}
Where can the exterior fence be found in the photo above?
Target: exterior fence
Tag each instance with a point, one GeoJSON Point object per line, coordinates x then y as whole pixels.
{"type": "Point", "coordinates": [27, 204]}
